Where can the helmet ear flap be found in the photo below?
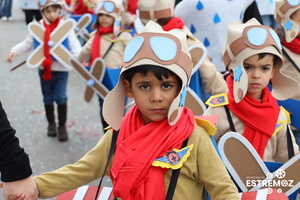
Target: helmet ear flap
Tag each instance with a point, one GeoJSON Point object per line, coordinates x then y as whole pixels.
{"type": "Point", "coordinates": [240, 82]}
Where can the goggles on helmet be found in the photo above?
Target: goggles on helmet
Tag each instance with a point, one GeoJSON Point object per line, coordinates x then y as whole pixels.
{"type": "Point", "coordinates": [254, 37]}
{"type": "Point", "coordinates": [107, 6]}
{"type": "Point", "coordinates": [166, 50]}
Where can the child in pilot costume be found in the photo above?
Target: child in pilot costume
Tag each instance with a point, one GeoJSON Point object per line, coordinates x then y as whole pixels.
{"type": "Point", "coordinates": [287, 15]}
{"type": "Point", "coordinates": [140, 168]}
{"type": "Point", "coordinates": [249, 107]}
{"type": "Point", "coordinates": [53, 73]}
{"type": "Point", "coordinates": [108, 42]}
{"type": "Point", "coordinates": [206, 80]}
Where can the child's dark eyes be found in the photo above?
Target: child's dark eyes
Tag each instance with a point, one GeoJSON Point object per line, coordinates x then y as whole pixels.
{"type": "Point", "coordinates": [246, 67]}
{"type": "Point", "coordinates": [144, 87]}
{"type": "Point", "coordinates": [167, 86]}
{"type": "Point", "coordinates": [265, 68]}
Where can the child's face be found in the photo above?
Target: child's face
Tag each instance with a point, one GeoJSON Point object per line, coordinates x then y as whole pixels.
{"type": "Point", "coordinates": [51, 13]}
{"type": "Point", "coordinates": [152, 96]}
{"type": "Point", "coordinates": [259, 72]}
{"type": "Point", "coordinates": [105, 20]}
{"type": "Point", "coordinates": [296, 17]}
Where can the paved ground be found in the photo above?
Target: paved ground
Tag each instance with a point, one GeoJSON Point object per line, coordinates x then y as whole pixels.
{"type": "Point", "coordinates": [21, 97]}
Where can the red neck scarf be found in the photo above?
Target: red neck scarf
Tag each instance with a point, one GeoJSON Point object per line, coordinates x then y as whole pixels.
{"type": "Point", "coordinates": [47, 62]}
{"type": "Point", "coordinates": [260, 118]}
{"type": "Point", "coordinates": [293, 46]}
{"type": "Point", "coordinates": [175, 22]}
{"type": "Point", "coordinates": [96, 46]}
{"type": "Point", "coordinates": [138, 146]}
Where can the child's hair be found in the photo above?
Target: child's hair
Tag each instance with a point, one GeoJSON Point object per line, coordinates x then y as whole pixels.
{"type": "Point", "coordinates": [97, 24]}
{"type": "Point", "coordinates": [275, 57]}
{"type": "Point", "coordinates": [159, 72]}
{"type": "Point", "coordinates": [163, 21]}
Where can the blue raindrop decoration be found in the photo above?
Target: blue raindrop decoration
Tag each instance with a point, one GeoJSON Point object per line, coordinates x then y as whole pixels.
{"type": "Point", "coordinates": [217, 18]}
{"type": "Point", "coordinates": [199, 5]}
{"type": "Point", "coordinates": [193, 29]}
{"type": "Point", "coordinates": [206, 42]}
{"type": "Point", "coordinates": [271, 1]}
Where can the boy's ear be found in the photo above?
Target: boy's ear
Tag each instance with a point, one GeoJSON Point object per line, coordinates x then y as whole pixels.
{"type": "Point", "coordinates": [128, 89]}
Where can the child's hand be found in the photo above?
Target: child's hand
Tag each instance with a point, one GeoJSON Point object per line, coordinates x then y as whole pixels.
{"type": "Point", "coordinates": [20, 190]}
{"type": "Point", "coordinates": [17, 197]}
{"type": "Point", "coordinates": [10, 57]}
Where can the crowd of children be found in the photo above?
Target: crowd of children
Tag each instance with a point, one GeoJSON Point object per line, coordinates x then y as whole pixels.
{"type": "Point", "coordinates": [160, 135]}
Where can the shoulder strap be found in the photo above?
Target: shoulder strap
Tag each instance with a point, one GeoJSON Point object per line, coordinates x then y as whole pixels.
{"type": "Point", "coordinates": [290, 146]}
{"type": "Point", "coordinates": [111, 152]}
{"type": "Point", "coordinates": [229, 118]}
{"type": "Point", "coordinates": [111, 45]}
{"type": "Point", "coordinates": [290, 59]}
{"type": "Point", "coordinates": [174, 178]}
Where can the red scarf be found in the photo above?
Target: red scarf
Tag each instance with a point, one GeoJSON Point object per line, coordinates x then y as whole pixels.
{"type": "Point", "coordinates": [293, 46]}
{"type": "Point", "coordinates": [95, 50]}
{"type": "Point", "coordinates": [260, 118]}
{"type": "Point", "coordinates": [47, 62]}
{"type": "Point", "coordinates": [175, 22]}
{"type": "Point", "coordinates": [138, 146]}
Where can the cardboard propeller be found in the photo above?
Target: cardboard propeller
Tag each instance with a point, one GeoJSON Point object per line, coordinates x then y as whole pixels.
{"type": "Point", "coordinates": [250, 172]}
{"type": "Point", "coordinates": [57, 50]}
{"type": "Point", "coordinates": [93, 78]}
{"type": "Point", "coordinates": [82, 24]}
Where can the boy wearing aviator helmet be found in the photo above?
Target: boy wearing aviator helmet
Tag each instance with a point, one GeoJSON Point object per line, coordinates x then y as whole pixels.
{"type": "Point", "coordinates": [253, 58]}
{"type": "Point", "coordinates": [108, 42]}
{"type": "Point", "coordinates": [287, 13]}
{"type": "Point", "coordinates": [151, 132]}
{"type": "Point", "coordinates": [52, 70]}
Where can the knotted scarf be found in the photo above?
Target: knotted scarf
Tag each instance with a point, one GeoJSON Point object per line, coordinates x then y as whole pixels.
{"type": "Point", "coordinates": [138, 146]}
{"type": "Point", "coordinates": [96, 46]}
{"type": "Point", "coordinates": [47, 62]}
{"type": "Point", "coordinates": [175, 22]}
{"type": "Point", "coordinates": [260, 118]}
{"type": "Point", "coordinates": [293, 46]}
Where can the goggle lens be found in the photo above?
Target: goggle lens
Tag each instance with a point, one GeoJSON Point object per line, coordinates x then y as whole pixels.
{"type": "Point", "coordinates": [99, 5]}
{"type": "Point", "coordinates": [163, 52]}
{"type": "Point", "coordinates": [276, 38]}
{"type": "Point", "coordinates": [132, 48]}
{"type": "Point", "coordinates": [44, 2]}
{"type": "Point", "coordinates": [109, 6]}
{"type": "Point", "coordinates": [253, 33]}
{"type": "Point", "coordinates": [263, 34]}
{"type": "Point", "coordinates": [293, 2]}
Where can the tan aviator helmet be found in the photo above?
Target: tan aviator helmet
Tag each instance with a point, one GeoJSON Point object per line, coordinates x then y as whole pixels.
{"type": "Point", "coordinates": [248, 39]}
{"type": "Point", "coordinates": [152, 46]}
{"type": "Point", "coordinates": [45, 3]}
{"type": "Point", "coordinates": [155, 9]}
{"type": "Point", "coordinates": [113, 8]}
{"type": "Point", "coordinates": [283, 11]}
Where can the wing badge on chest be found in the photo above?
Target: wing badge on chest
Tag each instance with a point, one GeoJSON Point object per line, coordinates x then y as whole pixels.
{"type": "Point", "coordinates": [173, 159]}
